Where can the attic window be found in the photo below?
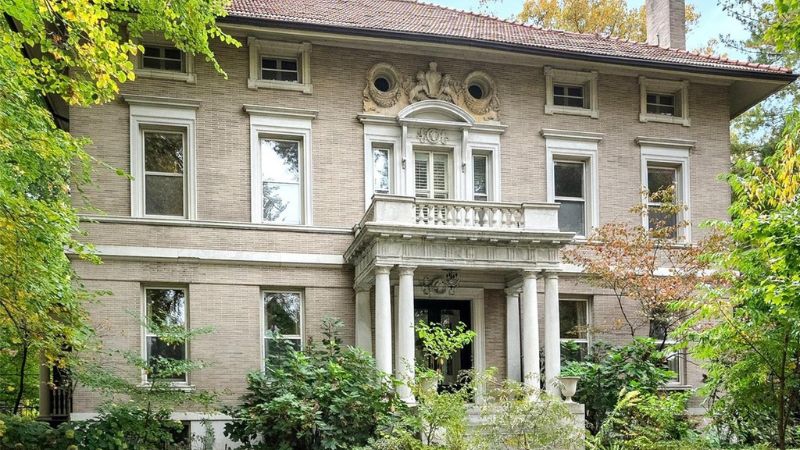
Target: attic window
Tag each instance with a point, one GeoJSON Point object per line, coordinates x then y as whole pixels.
{"type": "Point", "coordinates": [571, 92]}
{"type": "Point", "coordinates": [280, 65]}
{"type": "Point", "coordinates": [664, 101]}
{"type": "Point", "coordinates": [164, 61]}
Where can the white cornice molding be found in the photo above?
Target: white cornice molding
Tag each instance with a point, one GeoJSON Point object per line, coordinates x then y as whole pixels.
{"type": "Point", "coordinates": [377, 119]}
{"type": "Point", "coordinates": [217, 256]}
{"type": "Point", "coordinates": [149, 100]}
{"type": "Point", "coordinates": [666, 142]}
{"type": "Point", "coordinates": [149, 221]}
{"type": "Point", "coordinates": [573, 135]}
{"type": "Point", "coordinates": [279, 111]}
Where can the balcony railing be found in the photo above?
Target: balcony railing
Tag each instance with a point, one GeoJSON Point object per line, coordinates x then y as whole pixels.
{"type": "Point", "coordinates": [475, 215]}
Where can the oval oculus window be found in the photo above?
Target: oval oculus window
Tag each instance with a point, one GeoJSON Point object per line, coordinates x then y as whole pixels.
{"type": "Point", "coordinates": [476, 91]}
{"type": "Point", "coordinates": [382, 84]}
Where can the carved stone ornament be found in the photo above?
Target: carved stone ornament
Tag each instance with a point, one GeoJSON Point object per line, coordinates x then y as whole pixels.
{"type": "Point", "coordinates": [432, 136]}
{"type": "Point", "coordinates": [387, 92]}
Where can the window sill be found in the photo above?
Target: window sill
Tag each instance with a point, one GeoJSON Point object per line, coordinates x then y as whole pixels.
{"type": "Point", "coordinates": [190, 78]}
{"type": "Point", "coordinates": [644, 118]}
{"type": "Point", "coordinates": [676, 387]}
{"type": "Point", "coordinates": [280, 85]}
{"type": "Point", "coordinates": [175, 386]}
{"type": "Point", "coordinates": [585, 112]}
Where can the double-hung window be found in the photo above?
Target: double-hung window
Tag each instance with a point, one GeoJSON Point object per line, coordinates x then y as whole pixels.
{"type": "Point", "coordinates": [382, 168]}
{"type": "Point", "coordinates": [661, 179]}
{"type": "Point", "coordinates": [282, 320]}
{"type": "Point", "coordinates": [569, 182]}
{"type": "Point", "coordinates": [574, 327]}
{"type": "Point", "coordinates": [481, 177]}
{"type": "Point", "coordinates": [281, 180]}
{"type": "Point", "coordinates": [432, 174]}
{"type": "Point", "coordinates": [165, 309]}
{"type": "Point", "coordinates": [676, 358]}
{"type": "Point", "coordinates": [164, 180]}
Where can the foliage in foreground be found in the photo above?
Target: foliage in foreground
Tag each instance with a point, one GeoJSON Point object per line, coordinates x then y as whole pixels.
{"type": "Point", "coordinates": [322, 397]}
{"type": "Point", "coordinates": [606, 371]}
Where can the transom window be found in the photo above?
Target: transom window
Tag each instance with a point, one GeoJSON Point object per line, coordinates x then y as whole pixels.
{"type": "Point", "coordinates": [661, 178]}
{"type": "Point", "coordinates": [163, 58]}
{"type": "Point", "coordinates": [281, 166]}
{"type": "Point", "coordinates": [282, 318]}
{"type": "Point", "coordinates": [569, 183]}
{"type": "Point", "coordinates": [164, 181]}
{"type": "Point", "coordinates": [432, 174]}
{"type": "Point", "coordinates": [280, 69]}
{"type": "Point", "coordinates": [569, 95]}
{"type": "Point", "coordinates": [574, 327]}
{"type": "Point", "coordinates": [662, 104]}
{"type": "Point", "coordinates": [165, 308]}
{"type": "Point", "coordinates": [382, 168]}
{"type": "Point", "coordinates": [481, 177]}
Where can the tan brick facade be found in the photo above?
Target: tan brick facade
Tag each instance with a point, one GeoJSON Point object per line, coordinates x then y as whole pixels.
{"type": "Point", "coordinates": [226, 295]}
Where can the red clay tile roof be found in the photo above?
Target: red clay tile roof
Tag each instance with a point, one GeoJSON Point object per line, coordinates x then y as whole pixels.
{"type": "Point", "coordinates": [410, 19]}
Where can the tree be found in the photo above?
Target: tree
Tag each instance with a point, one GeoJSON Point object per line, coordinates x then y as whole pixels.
{"type": "Point", "coordinates": [753, 350]}
{"type": "Point", "coordinates": [611, 17]}
{"type": "Point", "coordinates": [647, 267]}
{"type": "Point", "coordinates": [81, 51]}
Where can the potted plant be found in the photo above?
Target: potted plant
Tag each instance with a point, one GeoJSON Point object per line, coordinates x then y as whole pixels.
{"type": "Point", "coordinates": [568, 381]}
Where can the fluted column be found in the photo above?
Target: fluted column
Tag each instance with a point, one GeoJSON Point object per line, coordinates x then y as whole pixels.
{"type": "Point", "coordinates": [405, 331]}
{"type": "Point", "coordinates": [552, 334]}
{"type": "Point", "coordinates": [513, 356]}
{"type": "Point", "coordinates": [363, 321]}
{"type": "Point", "coordinates": [383, 320]}
{"type": "Point", "coordinates": [530, 331]}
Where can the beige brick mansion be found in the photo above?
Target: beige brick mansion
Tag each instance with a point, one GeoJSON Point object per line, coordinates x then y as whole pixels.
{"type": "Point", "coordinates": [389, 161]}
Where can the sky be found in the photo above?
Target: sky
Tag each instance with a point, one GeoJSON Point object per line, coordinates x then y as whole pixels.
{"type": "Point", "coordinates": [713, 20]}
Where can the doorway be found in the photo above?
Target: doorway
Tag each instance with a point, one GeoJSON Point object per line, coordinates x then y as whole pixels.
{"type": "Point", "coordinates": [448, 313]}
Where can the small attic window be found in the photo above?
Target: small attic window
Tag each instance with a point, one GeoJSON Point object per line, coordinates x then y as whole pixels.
{"type": "Point", "coordinates": [664, 101]}
{"type": "Point", "coordinates": [571, 92]}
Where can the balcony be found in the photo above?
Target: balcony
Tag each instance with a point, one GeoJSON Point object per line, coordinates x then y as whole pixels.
{"type": "Point", "coordinates": [398, 230]}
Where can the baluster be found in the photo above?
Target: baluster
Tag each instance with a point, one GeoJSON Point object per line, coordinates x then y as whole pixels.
{"type": "Point", "coordinates": [496, 219]}
{"type": "Point", "coordinates": [484, 217]}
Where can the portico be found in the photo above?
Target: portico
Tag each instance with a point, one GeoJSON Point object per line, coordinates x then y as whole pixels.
{"type": "Point", "coordinates": [513, 245]}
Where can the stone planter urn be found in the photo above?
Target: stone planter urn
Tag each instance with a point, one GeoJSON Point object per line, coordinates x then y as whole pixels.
{"type": "Point", "coordinates": [569, 384]}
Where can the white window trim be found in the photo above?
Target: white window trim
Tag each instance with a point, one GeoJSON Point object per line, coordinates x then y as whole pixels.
{"type": "Point", "coordinates": [263, 320]}
{"type": "Point", "coordinates": [262, 48]}
{"type": "Point", "coordinates": [669, 152]}
{"type": "Point", "coordinates": [484, 144]}
{"type": "Point", "coordinates": [388, 135]}
{"type": "Point", "coordinates": [162, 112]}
{"type": "Point", "coordinates": [489, 174]}
{"type": "Point", "coordinates": [588, 339]}
{"type": "Point", "coordinates": [282, 122]}
{"type": "Point", "coordinates": [555, 76]}
{"type": "Point", "coordinates": [188, 75]}
{"type": "Point", "coordinates": [184, 385]}
{"type": "Point", "coordinates": [577, 146]}
{"type": "Point", "coordinates": [451, 176]}
{"type": "Point", "coordinates": [680, 89]}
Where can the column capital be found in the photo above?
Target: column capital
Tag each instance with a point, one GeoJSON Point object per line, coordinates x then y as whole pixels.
{"type": "Point", "coordinates": [550, 274]}
{"type": "Point", "coordinates": [406, 269]}
{"type": "Point", "coordinates": [513, 291]}
{"type": "Point", "coordinates": [530, 273]}
{"type": "Point", "coordinates": [382, 270]}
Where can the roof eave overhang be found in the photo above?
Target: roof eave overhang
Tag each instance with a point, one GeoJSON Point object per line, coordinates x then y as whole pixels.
{"type": "Point", "coordinates": [785, 78]}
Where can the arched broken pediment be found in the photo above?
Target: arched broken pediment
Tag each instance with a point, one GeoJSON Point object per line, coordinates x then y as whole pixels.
{"type": "Point", "coordinates": [435, 111]}
{"type": "Point", "coordinates": [389, 92]}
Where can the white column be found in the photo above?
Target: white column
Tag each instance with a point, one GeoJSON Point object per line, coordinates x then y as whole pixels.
{"type": "Point", "coordinates": [363, 321]}
{"type": "Point", "coordinates": [405, 331]}
{"type": "Point", "coordinates": [513, 356]}
{"type": "Point", "coordinates": [552, 334]}
{"type": "Point", "coordinates": [383, 320]}
{"type": "Point", "coordinates": [530, 331]}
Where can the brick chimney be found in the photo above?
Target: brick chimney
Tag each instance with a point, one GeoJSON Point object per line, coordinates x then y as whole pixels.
{"type": "Point", "coordinates": [666, 23]}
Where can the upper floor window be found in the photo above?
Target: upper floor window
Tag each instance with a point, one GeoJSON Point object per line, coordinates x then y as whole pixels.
{"type": "Point", "coordinates": [481, 177]}
{"type": "Point", "coordinates": [571, 92]}
{"type": "Point", "coordinates": [162, 58]}
{"type": "Point", "coordinates": [665, 186]}
{"type": "Point", "coordinates": [664, 101]}
{"type": "Point", "coordinates": [432, 174]}
{"type": "Point", "coordinates": [280, 65]}
{"type": "Point", "coordinates": [676, 359]}
{"type": "Point", "coordinates": [574, 321]}
{"type": "Point", "coordinates": [162, 157]}
{"type": "Point", "coordinates": [382, 168]}
{"type": "Point", "coordinates": [281, 171]}
{"type": "Point", "coordinates": [662, 179]}
{"type": "Point", "coordinates": [570, 181]}
{"type": "Point", "coordinates": [165, 308]}
{"type": "Point", "coordinates": [282, 319]}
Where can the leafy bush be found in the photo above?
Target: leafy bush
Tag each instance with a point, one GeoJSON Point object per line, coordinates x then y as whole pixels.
{"type": "Point", "coordinates": [323, 397]}
{"type": "Point", "coordinates": [606, 371]}
{"type": "Point", "coordinates": [23, 433]}
{"type": "Point", "coordinates": [129, 427]}
{"type": "Point", "coordinates": [648, 421]}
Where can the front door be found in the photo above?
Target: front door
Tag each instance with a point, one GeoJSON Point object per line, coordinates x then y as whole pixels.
{"type": "Point", "coordinates": [448, 313]}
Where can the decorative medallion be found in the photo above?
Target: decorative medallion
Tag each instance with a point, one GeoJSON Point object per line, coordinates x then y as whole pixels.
{"type": "Point", "coordinates": [432, 136]}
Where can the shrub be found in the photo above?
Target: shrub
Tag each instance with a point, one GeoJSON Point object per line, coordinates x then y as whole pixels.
{"type": "Point", "coordinates": [606, 371]}
{"type": "Point", "coordinates": [129, 427]}
{"type": "Point", "coordinates": [24, 433]}
{"type": "Point", "coordinates": [323, 397]}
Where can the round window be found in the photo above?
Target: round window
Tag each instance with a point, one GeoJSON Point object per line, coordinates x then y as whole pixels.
{"type": "Point", "coordinates": [382, 84]}
{"type": "Point", "coordinates": [476, 91]}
